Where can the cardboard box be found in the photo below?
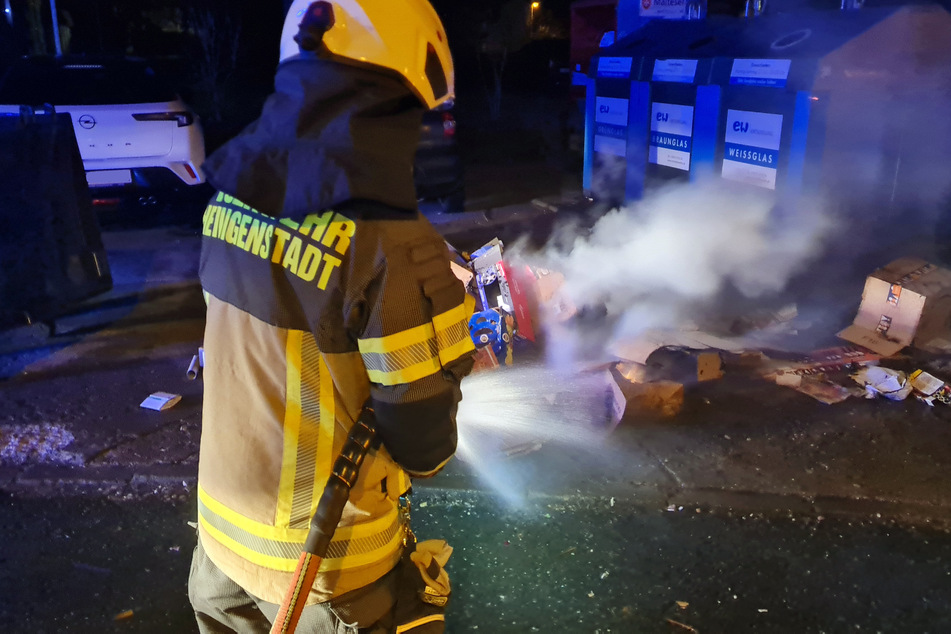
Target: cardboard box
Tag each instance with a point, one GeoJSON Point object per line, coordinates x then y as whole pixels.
{"type": "Point", "coordinates": [650, 399]}
{"type": "Point", "coordinates": [907, 302]}
{"type": "Point", "coordinates": [657, 398]}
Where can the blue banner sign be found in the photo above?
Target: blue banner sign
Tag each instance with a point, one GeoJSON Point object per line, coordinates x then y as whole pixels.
{"type": "Point", "coordinates": [671, 135]}
{"type": "Point", "coordinates": [751, 147]}
{"type": "Point", "coordinates": [610, 125]}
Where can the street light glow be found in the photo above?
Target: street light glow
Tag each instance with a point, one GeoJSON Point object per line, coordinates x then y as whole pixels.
{"type": "Point", "coordinates": [535, 5]}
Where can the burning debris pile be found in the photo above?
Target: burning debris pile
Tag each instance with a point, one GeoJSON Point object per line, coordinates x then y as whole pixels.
{"type": "Point", "coordinates": [620, 299]}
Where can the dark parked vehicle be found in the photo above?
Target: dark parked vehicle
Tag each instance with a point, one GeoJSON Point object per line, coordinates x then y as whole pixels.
{"type": "Point", "coordinates": [438, 168]}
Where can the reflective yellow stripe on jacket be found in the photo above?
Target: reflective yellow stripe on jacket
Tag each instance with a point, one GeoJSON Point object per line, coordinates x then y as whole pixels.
{"type": "Point", "coordinates": [279, 548]}
{"type": "Point", "coordinates": [306, 461]}
{"type": "Point", "coordinates": [418, 352]}
{"type": "Point", "coordinates": [308, 431]}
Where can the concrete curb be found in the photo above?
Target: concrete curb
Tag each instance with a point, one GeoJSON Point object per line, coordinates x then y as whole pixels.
{"type": "Point", "coordinates": [67, 480]}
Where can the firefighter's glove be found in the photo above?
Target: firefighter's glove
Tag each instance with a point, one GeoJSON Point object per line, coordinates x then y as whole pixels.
{"type": "Point", "coordinates": [430, 558]}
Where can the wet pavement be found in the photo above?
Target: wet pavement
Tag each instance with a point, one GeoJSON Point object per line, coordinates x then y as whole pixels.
{"type": "Point", "coordinates": [569, 564]}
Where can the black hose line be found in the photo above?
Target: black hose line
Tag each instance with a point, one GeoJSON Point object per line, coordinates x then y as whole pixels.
{"type": "Point", "coordinates": [343, 477]}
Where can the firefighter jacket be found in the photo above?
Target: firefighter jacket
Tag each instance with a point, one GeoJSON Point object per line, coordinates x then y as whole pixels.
{"type": "Point", "coordinates": [326, 290]}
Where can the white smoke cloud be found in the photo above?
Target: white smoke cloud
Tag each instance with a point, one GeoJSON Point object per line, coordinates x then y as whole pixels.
{"type": "Point", "coordinates": [658, 262]}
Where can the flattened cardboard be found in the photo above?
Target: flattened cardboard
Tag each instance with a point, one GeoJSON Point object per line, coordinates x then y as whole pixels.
{"type": "Point", "coordinates": [907, 302]}
{"type": "Point", "coordinates": [639, 348]}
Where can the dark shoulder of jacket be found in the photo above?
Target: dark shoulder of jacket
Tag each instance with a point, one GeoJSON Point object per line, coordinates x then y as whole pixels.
{"type": "Point", "coordinates": [418, 255]}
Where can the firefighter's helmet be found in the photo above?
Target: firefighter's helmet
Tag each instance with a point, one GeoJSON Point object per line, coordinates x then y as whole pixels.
{"type": "Point", "coordinates": [405, 36]}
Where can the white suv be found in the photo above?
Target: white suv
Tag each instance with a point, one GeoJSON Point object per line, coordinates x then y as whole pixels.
{"type": "Point", "coordinates": [133, 131]}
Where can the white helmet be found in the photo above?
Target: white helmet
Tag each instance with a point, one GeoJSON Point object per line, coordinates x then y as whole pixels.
{"type": "Point", "coordinates": [402, 35]}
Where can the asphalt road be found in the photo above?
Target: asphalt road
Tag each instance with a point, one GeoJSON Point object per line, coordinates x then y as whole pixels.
{"type": "Point", "coordinates": [557, 565]}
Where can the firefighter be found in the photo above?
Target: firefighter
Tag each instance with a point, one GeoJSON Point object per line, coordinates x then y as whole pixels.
{"type": "Point", "coordinates": [327, 291]}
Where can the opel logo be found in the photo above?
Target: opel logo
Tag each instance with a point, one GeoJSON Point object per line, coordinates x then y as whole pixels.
{"type": "Point", "coordinates": [87, 122]}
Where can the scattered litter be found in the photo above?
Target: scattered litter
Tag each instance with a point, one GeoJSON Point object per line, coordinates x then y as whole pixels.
{"type": "Point", "coordinates": [568, 551]}
{"type": "Point", "coordinates": [160, 401]}
{"type": "Point", "coordinates": [423, 505]}
{"type": "Point", "coordinates": [789, 379]}
{"type": "Point", "coordinates": [681, 625]}
{"type": "Point", "coordinates": [879, 381]}
{"type": "Point", "coordinates": [682, 605]}
{"type": "Point", "coordinates": [612, 502]}
{"type": "Point", "coordinates": [808, 375]}
{"type": "Point", "coordinates": [823, 391]}
{"type": "Point", "coordinates": [44, 443]}
{"type": "Point", "coordinates": [824, 361]}
{"type": "Point", "coordinates": [929, 388]}
{"type": "Point", "coordinates": [604, 575]}
{"type": "Point", "coordinates": [96, 569]}
{"type": "Point", "coordinates": [124, 616]}
{"type": "Point", "coordinates": [196, 364]}
{"type": "Point", "coordinates": [192, 372]}
{"type": "Point", "coordinates": [174, 549]}
{"type": "Point", "coordinates": [762, 610]}
{"type": "Point", "coordinates": [590, 594]}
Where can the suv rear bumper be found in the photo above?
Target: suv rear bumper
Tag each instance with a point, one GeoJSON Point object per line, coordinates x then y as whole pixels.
{"type": "Point", "coordinates": [148, 184]}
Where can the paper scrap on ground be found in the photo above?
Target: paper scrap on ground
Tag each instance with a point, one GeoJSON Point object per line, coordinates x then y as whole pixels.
{"type": "Point", "coordinates": [823, 391]}
{"type": "Point", "coordinates": [929, 388]}
{"type": "Point", "coordinates": [159, 401]}
{"type": "Point", "coordinates": [886, 382]}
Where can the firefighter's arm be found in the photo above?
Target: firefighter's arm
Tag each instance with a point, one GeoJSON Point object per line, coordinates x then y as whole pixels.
{"type": "Point", "coordinates": [416, 348]}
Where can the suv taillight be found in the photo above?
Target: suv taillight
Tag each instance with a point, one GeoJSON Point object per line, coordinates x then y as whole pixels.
{"type": "Point", "coordinates": [448, 124]}
{"type": "Point", "coordinates": [183, 118]}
